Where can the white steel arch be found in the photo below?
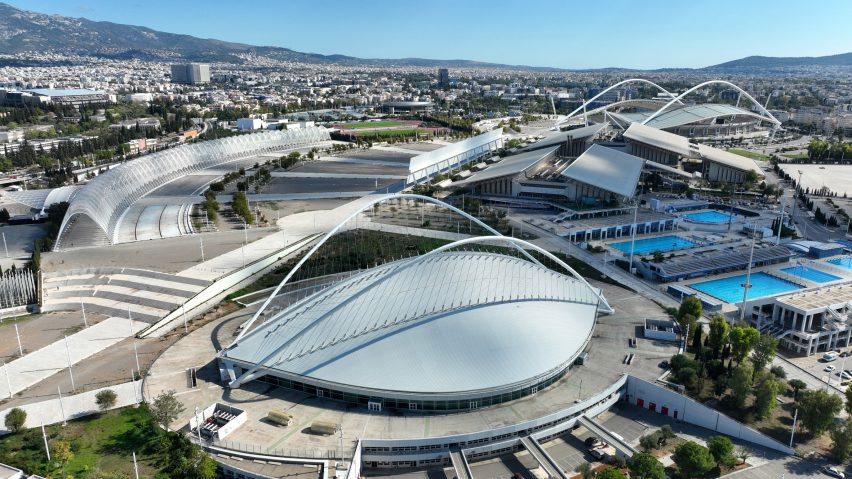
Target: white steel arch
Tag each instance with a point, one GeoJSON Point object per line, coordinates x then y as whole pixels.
{"type": "Point", "coordinates": [678, 98]}
{"type": "Point", "coordinates": [322, 241]}
{"type": "Point", "coordinates": [622, 82]}
{"type": "Point", "coordinates": [602, 304]}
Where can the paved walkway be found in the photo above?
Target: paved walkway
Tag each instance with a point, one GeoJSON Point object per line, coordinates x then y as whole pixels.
{"type": "Point", "coordinates": [297, 174]}
{"type": "Point", "coordinates": [53, 411]}
{"type": "Point", "coordinates": [47, 361]}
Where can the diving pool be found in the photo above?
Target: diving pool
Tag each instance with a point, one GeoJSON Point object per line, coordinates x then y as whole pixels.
{"type": "Point", "coordinates": [708, 217]}
{"type": "Point", "coordinates": [811, 274]}
{"type": "Point", "coordinates": [649, 245]}
{"type": "Point", "coordinates": [730, 291]}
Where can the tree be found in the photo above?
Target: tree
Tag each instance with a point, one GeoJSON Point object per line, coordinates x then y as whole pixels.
{"type": "Point", "coordinates": [778, 372]}
{"type": "Point", "coordinates": [15, 419]}
{"type": "Point", "coordinates": [690, 305]}
{"type": "Point", "coordinates": [740, 384]}
{"type": "Point", "coordinates": [742, 453]}
{"type": "Point", "coordinates": [722, 450]}
{"type": "Point", "coordinates": [841, 446]}
{"type": "Point", "coordinates": [166, 408]}
{"type": "Point", "coordinates": [611, 473]}
{"type": "Point", "coordinates": [693, 460]}
{"type": "Point", "coordinates": [648, 442]}
{"type": "Point", "coordinates": [61, 452]}
{"type": "Point", "coordinates": [718, 336]}
{"type": "Point", "coordinates": [799, 385]}
{"type": "Point", "coordinates": [585, 471]}
{"type": "Point", "coordinates": [106, 399]}
{"type": "Point", "coordinates": [848, 401]}
{"type": "Point", "coordinates": [764, 351]}
{"type": "Point", "coordinates": [764, 397]}
{"type": "Point", "coordinates": [817, 410]}
{"type": "Point", "coordinates": [645, 466]}
{"type": "Point", "coordinates": [742, 339]}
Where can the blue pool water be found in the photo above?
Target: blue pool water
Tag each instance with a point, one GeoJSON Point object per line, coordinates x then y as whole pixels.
{"type": "Point", "coordinates": [812, 274]}
{"type": "Point", "coordinates": [649, 245]}
{"type": "Point", "coordinates": [844, 262]}
{"type": "Point", "coordinates": [730, 291]}
{"type": "Point", "coordinates": [708, 217]}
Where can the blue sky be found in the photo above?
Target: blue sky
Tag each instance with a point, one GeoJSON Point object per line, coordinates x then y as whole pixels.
{"type": "Point", "coordinates": [558, 33]}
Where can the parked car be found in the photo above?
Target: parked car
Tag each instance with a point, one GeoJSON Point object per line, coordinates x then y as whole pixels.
{"type": "Point", "coordinates": [829, 368]}
{"type": "Point", "coordinates": [664, 365]}
{"type": "Point", "coordinates": [591, 441]}
{"type": "Point", "coordinates": [845, 354]}
{"type": "Point", "coordinates": [833, 472]}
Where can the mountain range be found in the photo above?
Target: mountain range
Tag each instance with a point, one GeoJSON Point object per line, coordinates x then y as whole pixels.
{"type": "Point", "coordinates": [24, 31]}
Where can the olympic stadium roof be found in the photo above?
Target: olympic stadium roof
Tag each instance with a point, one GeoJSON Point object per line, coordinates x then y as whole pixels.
{"type": "Point", "coordinates": [677, 116]}
{"type": "Point", "coordinates": [510, 165]}
{"type": "Point", "coordinates": [53, 92]}
{"type": "Point", "coordinates": [450, 322]}
{"type": "Point", "coordinates": [606, 168]}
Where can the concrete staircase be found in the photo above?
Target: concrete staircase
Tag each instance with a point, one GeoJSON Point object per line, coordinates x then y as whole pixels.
{"type": "Point", "coordinates": [147, 295]}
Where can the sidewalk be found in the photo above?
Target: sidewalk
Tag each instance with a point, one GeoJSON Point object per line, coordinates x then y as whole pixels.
{"type": "Point", "coordinates": [47, 361]}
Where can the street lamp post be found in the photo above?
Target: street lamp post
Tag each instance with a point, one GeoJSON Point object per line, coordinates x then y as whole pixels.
{"type": "Point", "coordinates": [633, 236]}
{"type": "Point", "coordinates": [747, 283]}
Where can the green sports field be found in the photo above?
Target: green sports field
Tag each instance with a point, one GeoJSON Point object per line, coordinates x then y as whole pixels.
{"type": "Point", "coordinates": [372, 124]}
{"type": "Point", "coordinates": [390, 133]}
{"type": "Point", "coordinates": [748, 154]}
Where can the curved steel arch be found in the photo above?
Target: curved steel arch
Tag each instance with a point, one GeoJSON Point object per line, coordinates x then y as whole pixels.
{"type": "Point", "coordinates": [622, 82]}
{"type": "Point", "coordinates": [519, 243]}
{"type": "Point", "coordinates": [338, 227]}
{"type": "Point", "coordinates": [678, 98]}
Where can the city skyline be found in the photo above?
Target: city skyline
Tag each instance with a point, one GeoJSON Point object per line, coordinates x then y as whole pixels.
{"type": "Point", "coordinates": [596, 41]}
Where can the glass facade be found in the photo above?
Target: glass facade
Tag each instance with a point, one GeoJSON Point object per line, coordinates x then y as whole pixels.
{"type": "Point", "coordinates": [413, 404]}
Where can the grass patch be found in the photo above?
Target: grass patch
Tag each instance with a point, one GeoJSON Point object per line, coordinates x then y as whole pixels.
{"type": "Point", "coordinates": [18, 319]}
{"type": "Point", "coordinates": [748, 154]}
{"type": "Point", "coordinates": [391, 133]}
{"type": "Point", "coordinates": [372, 124]}
{"type": "Point", "coordinates": [102, 442]}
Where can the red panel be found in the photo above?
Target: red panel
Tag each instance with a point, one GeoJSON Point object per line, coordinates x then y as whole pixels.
{"type": "Point", "coordinates": [664, 410]}
{"type": "Point", "coordinates": [640, 402]}
{"type": "Point", "coordinates": [652, 407]}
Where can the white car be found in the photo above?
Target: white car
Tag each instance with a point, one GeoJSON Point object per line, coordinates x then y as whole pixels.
{"type": "Point", "coordinates": [829, 368]}
{"type": "Point", "coordinates": [833, 472]}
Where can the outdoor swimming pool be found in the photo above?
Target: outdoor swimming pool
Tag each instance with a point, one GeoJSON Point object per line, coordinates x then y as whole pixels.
{"type": "Point", "coordinates": [649, 245]}
{"type": "Point", "coordinates": [707, 217]}
{"type": "Point", "coordinates": [730, 291]}
{"type": "Point", "coordinates": [812, 274]}
{"type": "Point", "coordinates": [844, 262]}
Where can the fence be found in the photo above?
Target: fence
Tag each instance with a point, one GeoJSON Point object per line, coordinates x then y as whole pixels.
{"type": "Point", "coordinates": [18, 288]}
{"type": "Point", "coordinates": [306, 453]}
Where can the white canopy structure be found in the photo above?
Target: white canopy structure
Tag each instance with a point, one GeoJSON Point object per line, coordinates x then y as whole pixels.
{"type": "Point", "coordinates": [607, 169]}
{"type": "Point", "coordinates": [105, 199]}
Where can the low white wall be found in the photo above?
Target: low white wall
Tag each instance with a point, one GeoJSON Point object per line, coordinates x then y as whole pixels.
{"type": "Point", "coordinates": [74, 406]}
{"type": "Point", "coordinates": [646, 394]}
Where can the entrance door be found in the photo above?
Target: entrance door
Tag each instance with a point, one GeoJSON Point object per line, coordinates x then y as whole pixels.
{"type": "Point", "coordinates": [675, 413]}
{"type": "Point", "coordinates": [652, 407]}
{"type": "Point", "coordinates": [664, 410]}
{"type": "Point", "coordinates": [640, 402]}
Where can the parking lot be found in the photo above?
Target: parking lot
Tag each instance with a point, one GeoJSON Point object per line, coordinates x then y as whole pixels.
{"type": "Point", "coordinates": [816, 366]}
